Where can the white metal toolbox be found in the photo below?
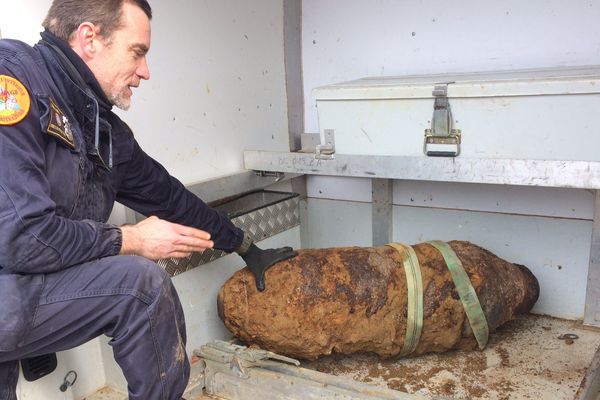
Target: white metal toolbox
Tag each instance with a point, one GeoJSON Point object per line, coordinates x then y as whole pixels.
{"type": "Point", "coordinates": [549, 114]}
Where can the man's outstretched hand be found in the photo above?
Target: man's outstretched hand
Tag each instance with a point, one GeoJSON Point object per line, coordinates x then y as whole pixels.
{"type": "Point", "coordinates": [259, 261]}
{"type": "Point", "coordinates": [155, 238]}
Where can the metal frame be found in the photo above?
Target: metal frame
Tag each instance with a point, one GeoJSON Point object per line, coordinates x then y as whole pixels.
{"type": "Point", "coordinates": [236, 372]}
{"type": "Point", "coordinates": [213, 190]}
{"type": "Point", "coordinates": [592, 299]}
{"type": "Point", "coordinates": [292, 37]}
{"type": "Point", "coordinates": [382, 211]}
{"type": "Point", "coordinates": [383, 169]}
{"type": "Point", "coordinates": [590, 385]}
{"type": "Point", "coordinates": [549, 173]}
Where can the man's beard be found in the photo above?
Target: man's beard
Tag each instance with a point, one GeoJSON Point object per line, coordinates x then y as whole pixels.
{"type": "Point", "coordinates": [121, 100]}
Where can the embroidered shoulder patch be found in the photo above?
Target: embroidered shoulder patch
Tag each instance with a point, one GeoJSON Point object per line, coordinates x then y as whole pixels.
{"type": "Point", "coordinates": [59, 126]}
{"type": "Point", "coordinates": [14, 101]}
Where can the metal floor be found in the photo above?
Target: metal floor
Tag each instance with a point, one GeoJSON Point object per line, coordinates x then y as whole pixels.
{"type": "Point", "coordinates": [525, 359]}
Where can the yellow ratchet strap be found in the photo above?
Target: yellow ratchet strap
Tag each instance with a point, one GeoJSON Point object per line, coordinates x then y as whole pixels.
{"type": "Point", "coordinates": [414, 284]}
{"type": "Point", "coordinates": [466, 292]}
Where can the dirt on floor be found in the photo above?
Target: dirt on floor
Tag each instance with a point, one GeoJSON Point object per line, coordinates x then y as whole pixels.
{"type": "Point", "coordinates": [528, 358]}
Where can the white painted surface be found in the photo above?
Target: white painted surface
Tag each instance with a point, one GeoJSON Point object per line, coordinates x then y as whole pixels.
{"type": "Point", "coordinates": [86, 360]}
{"type": "Point", "coordinates": [544, 114]}
{"type": "Point", "coordinates": [553, 202]}
{"type": "Point", "coordinates": [525, 82]}
{"type": "Point", "coordinates": [24, 21]}
{"type": "Point", "coordinates": [556, 250]}
{"type": "Point", "coordinates": [217, 86]}
{"type": "Point", "coordinates": [552, 127]}
{"type": "Point", "coordinates": [328, 187]}
{"type": "Point", "coordinates": [345, 40]}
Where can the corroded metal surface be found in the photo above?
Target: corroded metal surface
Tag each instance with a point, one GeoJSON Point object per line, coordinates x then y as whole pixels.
{"type": "Point", "coordinates": [349, 300]}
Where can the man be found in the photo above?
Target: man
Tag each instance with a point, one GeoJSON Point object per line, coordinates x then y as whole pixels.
{"type": "Point", "coordinates": [65, 275]}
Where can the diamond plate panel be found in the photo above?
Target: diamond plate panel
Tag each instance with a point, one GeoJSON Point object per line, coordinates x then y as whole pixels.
{"type": "Point", "coordinates": [260, 224]}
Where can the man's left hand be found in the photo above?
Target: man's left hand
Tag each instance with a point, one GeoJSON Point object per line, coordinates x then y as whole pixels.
{"type": "Point", "coordinates": [259, 261]}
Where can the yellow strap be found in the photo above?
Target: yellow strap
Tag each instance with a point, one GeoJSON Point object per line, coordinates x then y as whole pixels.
{"type": "Point", "coordinates": [414, 284]}
{"type": "Point", "coordinates": [466, 292]}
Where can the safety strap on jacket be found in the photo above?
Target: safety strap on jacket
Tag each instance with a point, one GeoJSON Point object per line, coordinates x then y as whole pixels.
{"type": "Point", "coordinates": [466, 292]}
{"type": "Point", "coordinates": [414, 284]}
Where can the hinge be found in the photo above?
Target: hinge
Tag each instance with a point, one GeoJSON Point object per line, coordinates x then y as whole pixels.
{"type": "Point", "coordinates": [326, 151]}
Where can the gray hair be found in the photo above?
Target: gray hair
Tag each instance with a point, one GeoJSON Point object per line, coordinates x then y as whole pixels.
{"type": "Point", "coordinates": [65, 16]}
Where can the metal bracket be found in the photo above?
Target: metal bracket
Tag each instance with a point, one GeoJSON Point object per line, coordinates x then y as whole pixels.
{"type": "Point", "coordinates": [239, 358]}
{"type": "Point", "coordinates": [441, 133]}
{"type": "Point", "coordinates": [270, 174]}
{"type": "Point", "coordinates": [239, 373]}
{"type": "Point", "coordinates": [326, 151]}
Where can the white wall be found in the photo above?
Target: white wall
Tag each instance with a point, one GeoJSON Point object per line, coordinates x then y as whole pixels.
{"type": "Point", "coordinates": [345, 40]}
{"type": "Point", "coordinates": [217, 87]}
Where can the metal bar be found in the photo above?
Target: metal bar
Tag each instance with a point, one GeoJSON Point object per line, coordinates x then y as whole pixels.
{"type": "Point", "coordinates": [261, 223]}
{"type": "Point", "coordinates": [382, 209]}
{"type": "Point", "coordinates": [299, 186]}
{"type": "Point", "coordinates": [592, 299]}
{"type": "Point", "coordinates": [590, 385]}
{"type": "Point", "coordinates": [292, 41]}
{"type": "Point", "coordinates": [548, 173]}
{"type": "Point", "coordinates": [233, 185]}
{"type": "Point", "coordinates": [224, 187]}
{"type": "Point", "coordinates": [237, 373]}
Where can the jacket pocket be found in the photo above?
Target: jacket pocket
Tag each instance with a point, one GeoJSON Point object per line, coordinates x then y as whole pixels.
{"type": "Point", "coordinates": [20, 295]}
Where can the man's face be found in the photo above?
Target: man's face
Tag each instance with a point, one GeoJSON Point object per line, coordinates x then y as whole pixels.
{"type": "Point", "coordinates": [120, 62]}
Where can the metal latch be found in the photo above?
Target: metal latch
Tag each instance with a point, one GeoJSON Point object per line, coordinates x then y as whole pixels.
{"type": "Point", "coordinates": [441, 140]}
{"type": "Point", "coordinates": [238, 359]}
{"type": "Point", "coordinates": [239, 373]}
{"type": "Point", "coordinates": [270, 174]}
{"type": "Point", "coordinates": [326, 151]}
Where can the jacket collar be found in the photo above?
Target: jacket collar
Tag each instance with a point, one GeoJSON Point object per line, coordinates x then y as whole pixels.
{"type": "Point", "coordinates": [83, 92]}
{"type": "Point", "coordinates": [78, 71]}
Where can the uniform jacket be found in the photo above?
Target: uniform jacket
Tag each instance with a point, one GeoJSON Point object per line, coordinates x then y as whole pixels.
{"type": "Point", "coordinates": [55, 192]}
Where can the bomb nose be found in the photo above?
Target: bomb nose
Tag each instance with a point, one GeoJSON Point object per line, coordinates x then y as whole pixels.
{"type": "Point", "coordinates": [532, 292]}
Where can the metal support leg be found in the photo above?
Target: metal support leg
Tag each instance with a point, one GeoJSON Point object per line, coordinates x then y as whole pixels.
{"type": "Point", "coordinates": [592, 300]}
{"type": "Point", "coordinates": [382, 210]}
{"type": "Point", "coordinates": [299, 186]}
{"type": "Point", "coordinates": [590, 385]}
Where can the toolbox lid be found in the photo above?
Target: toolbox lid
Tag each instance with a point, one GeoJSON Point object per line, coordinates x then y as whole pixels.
{"type": "Point", "coordinates": [530, 82]}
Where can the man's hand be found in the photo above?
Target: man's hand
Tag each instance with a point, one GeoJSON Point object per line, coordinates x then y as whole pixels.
{"type": "Point", "coordinates": [259, 261]}
{"type": "Point", "coordinates": [155, 238]}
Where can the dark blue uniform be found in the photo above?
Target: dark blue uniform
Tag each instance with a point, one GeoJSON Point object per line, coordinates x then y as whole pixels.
{"type": "Point", "coordinates": [61, 281]}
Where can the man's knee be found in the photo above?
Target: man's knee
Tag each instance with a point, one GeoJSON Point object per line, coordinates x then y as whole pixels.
{"type": "Point", "coordinates": [143, 276]}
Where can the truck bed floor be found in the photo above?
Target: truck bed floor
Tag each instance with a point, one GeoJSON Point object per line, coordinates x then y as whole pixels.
{"type": "Point", "coordinates": [524, 359]}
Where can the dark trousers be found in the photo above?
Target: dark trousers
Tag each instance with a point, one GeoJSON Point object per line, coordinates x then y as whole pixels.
{"type": "Point", "coordinates": [128, 298]}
